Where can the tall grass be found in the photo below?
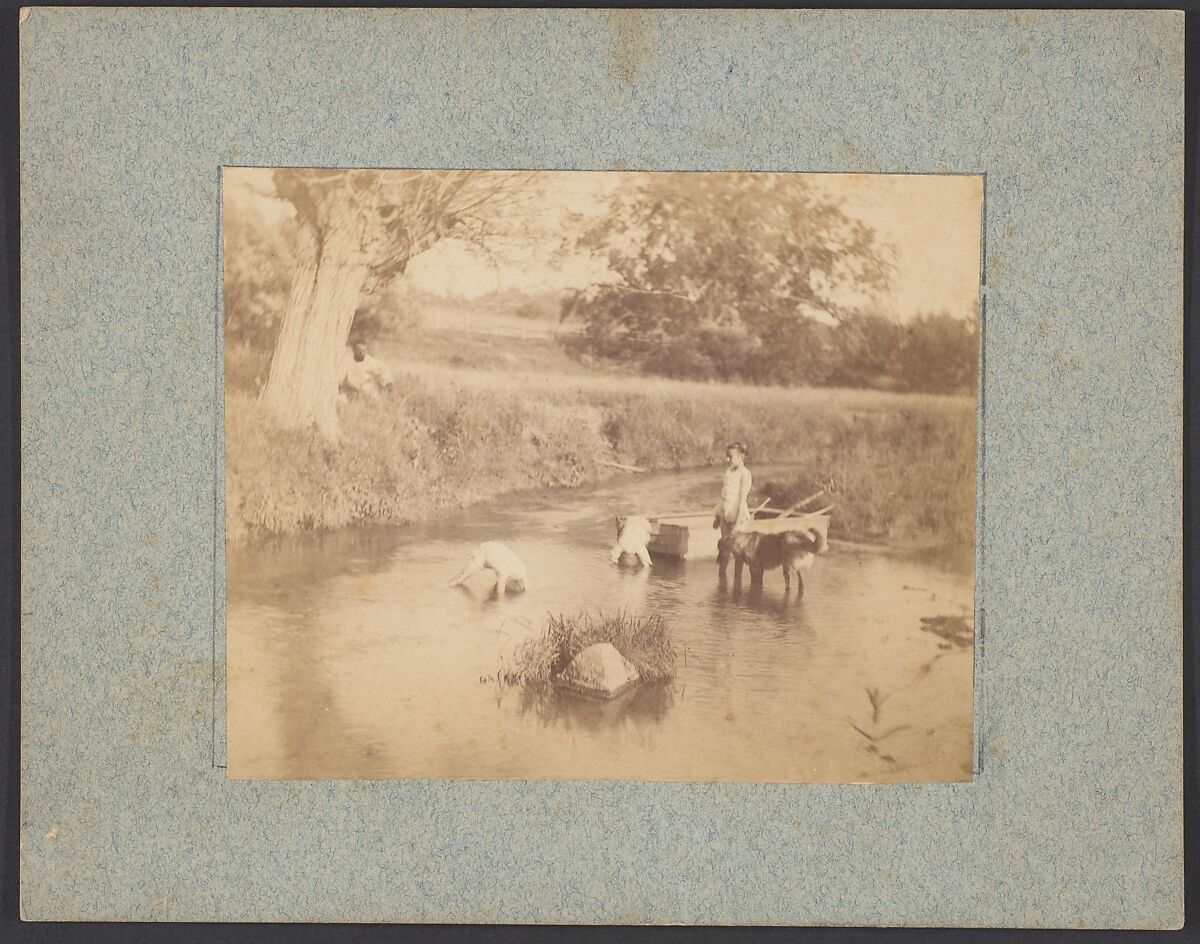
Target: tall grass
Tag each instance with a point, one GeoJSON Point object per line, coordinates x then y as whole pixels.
{"type": "Point", "coordinates": [908, 478]}
{"type": "Point", "coordinates": [644, 640]}
{"type": "Point", "coordinates": [401, 458]}
{"type": "Point", "coordinates": [901, 466]}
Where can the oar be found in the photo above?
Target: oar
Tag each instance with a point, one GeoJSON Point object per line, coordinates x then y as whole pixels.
{"type": "Point", "coordinates": [800, 520]}
{"type": "Point", "coordinates": [817, 514]}
{"type": "Point", "coordinates": [801, 503]}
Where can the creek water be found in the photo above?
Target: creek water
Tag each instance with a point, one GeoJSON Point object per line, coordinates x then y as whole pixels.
{"type": "Point", "coordinates": [349, 657]}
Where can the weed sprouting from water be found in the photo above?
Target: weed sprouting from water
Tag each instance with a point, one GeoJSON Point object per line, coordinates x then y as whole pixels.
{"type": "Point", "coordinates": [643, 640]}
{"type": "Point", "coordinates": [877, 699]}
{"type": "Point", "coordinates": [874, 740]}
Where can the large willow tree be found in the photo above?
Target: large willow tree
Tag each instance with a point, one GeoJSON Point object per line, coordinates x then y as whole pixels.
{"type": "Point", "coordinates": [357, 231]}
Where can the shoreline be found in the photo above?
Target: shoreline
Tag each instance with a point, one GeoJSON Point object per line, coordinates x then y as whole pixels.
{"type": "Point", "coordinates": [894, 464]}
{"type": "Point", "coordinates": [840, 539]}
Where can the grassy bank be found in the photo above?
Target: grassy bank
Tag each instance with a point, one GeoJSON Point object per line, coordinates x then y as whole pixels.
{"type": "Point", "coordinates": [899, 466]}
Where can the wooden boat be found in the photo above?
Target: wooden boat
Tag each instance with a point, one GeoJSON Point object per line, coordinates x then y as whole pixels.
{"type": "Point", "coordinates": [692, 536]}
{"type": "Point", "coordinates": [683, 537]}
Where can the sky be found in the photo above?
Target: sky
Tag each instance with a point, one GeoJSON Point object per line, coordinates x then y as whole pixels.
{"type": "Point", "coordinates": [933, 223]}
{"type": "Point", "coordinates": [930, 222]}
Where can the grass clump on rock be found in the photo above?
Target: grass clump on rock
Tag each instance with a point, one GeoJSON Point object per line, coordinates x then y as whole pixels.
{"type": "Point", "coordinates": [644, 640]}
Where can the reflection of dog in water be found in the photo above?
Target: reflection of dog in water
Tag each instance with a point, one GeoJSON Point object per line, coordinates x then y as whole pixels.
{"type": "Point", "coordinates": [498, 558]}
{"type": "Point", "coordinates": [794, 551]}
{"type": "Point", "coordinates": [633, 534]}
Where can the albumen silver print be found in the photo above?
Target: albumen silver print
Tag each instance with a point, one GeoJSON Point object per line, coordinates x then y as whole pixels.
{"type": "Point", "coordinates": [600, 475]}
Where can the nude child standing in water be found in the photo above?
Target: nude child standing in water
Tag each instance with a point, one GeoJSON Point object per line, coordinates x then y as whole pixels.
{"type": "Point", "coordinates": [733, 509]}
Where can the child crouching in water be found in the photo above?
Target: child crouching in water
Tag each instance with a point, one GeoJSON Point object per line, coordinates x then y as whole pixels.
{"type": "Point", "coordinates": [733, 509]}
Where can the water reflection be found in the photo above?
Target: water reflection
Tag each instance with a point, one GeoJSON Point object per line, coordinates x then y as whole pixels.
{"type": "Point", "coordinates": [553, 706]}
{"type": "Point", "coordinates": [779, 605]}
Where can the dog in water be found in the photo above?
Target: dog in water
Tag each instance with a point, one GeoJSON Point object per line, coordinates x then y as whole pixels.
{"type": "Point", "coordinates": [633, 534]}
{"type": "Point", "coordinates": [500, 560]}
{"type": "Point", "coordinates": [794, 551]}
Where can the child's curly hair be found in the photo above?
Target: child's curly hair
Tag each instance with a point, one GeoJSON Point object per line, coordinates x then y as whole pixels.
{"type": "Point", "coordinates": [740, 447]}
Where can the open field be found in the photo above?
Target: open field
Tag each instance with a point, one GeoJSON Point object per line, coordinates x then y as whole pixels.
{"type": "Point", "coordinates": [600, 384]}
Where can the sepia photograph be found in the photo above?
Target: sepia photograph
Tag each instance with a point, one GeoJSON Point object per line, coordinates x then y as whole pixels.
{"type": "Point", "coordinates": [653, 476]}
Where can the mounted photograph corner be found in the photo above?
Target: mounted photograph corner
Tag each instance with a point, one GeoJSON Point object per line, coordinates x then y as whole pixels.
{"type": "Point", "coordinates": [653, 476]}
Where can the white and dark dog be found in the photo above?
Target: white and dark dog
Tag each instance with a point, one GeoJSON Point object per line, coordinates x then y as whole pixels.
{"type": "Point", "coordinates": [500, 560]}
{"type": "Point", "coordinates": [793, 551]}
{"type": "Point", "coordinates": [633, 534]}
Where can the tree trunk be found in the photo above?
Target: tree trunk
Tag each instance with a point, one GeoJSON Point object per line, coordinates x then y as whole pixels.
{"type": "Point", "coordinates": [352, 228]}
{"type": "Point", "coordinates": [305, 370]}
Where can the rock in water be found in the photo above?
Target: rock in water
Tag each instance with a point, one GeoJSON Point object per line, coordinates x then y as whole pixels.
{"type": "Point", "coordinates": [599, 670]}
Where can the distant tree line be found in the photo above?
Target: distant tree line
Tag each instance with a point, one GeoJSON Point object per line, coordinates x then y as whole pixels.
{"type": "Point", "coordinates": [933, 353]}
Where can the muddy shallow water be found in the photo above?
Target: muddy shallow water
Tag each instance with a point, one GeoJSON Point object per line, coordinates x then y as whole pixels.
{"type": "Point", "coordinates": [348, 656]}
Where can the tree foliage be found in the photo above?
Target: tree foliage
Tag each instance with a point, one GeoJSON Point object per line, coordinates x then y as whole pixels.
{"type": "Point", "coordinates": [727, 276]}
{"type": "Point", "coordinates": [396, 215]}
{"type": "Point", "coordinates": [258, 274]}
{"type": "Point", "coordinates": [939, 354]}
{"type": "Point", "coordinates": [931, 353]}
{"type": "Point", "coordinates": [755, 278]}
